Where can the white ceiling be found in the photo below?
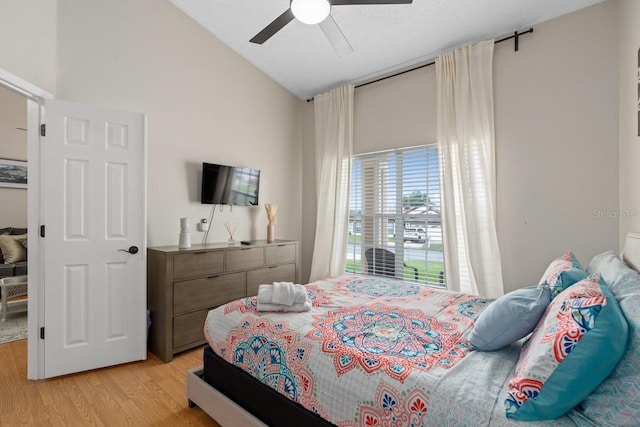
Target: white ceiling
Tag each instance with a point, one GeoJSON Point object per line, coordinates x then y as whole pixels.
{"type": "Point", "coordinates": [385, 38]}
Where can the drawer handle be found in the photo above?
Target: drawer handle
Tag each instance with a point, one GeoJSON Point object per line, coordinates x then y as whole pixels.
{"type": "Point", "coordinates": [280, 246]}
{"type": "Point", "coordinates": [199, 253]}
{"type": "Point", "coordinates": [213, 277]}
{"type": "Point", "coordinates": [245, 249]}
{"type": "Point", "coordinates": [273, 266]}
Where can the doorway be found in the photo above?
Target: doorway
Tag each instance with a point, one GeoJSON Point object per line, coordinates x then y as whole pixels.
{"type": "Point", "coordinates": [13, 216]}
{"type": "Point", "coordinates": [34, 96]}
{"type": "Point", "coordinates": [96, 311]}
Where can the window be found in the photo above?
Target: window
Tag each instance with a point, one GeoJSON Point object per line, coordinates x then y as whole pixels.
{"type": "Point", "coordinates": [395, 226]}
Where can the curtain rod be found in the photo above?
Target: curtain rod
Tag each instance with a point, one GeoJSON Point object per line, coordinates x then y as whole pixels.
{"type": "Point", "coordinates": [516, 35]}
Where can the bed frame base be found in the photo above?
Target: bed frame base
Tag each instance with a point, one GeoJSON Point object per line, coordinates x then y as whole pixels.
{"type": "Point", "coordinates": [225, 411]}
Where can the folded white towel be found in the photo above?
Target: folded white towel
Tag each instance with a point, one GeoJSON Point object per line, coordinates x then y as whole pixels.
{"type": "Point", "coordinates": [295, 308]}
{"type": "Point", "coordinates": [283, 293]}
{"type": "Point", "coordinates": [301, 294]}
{"type": "Point", "coordinates": [265, 294]}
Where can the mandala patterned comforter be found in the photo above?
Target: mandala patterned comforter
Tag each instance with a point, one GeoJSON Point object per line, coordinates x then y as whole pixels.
{"type": "Point", "coordinates": [371, 352]}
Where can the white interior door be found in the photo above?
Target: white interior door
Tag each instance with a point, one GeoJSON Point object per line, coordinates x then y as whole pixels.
{"type": "Point", "coordinates": [94, 195]}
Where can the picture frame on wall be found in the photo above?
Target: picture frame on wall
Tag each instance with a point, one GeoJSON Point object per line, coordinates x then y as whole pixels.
{"type": "Point", "coordinates": [13, 173]}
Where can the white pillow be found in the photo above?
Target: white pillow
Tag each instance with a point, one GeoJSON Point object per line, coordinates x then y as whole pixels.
{"type": "Point", "coordinates": [609, 265]}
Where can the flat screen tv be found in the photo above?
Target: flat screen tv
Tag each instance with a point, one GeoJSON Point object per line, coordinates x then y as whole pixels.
{"type": "Point", "coordinates": [228, 185]}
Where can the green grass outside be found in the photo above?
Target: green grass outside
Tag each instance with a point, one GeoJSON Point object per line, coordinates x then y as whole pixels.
{"type": "Point", "coordinates": [430, 270]}
{"type": "Point", "coordinates": [354, 239]}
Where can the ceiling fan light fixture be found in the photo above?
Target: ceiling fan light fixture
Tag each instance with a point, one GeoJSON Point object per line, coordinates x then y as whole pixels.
{"type": "Point", "coordinates": [310, 11]}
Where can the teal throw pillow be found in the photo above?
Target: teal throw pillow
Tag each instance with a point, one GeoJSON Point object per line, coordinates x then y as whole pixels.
{"type": "Point", "coordinates": [577, 344]}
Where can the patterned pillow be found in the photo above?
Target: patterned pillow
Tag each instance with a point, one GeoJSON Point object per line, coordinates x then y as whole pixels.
{"type": "Point", "coordinates": [563, 272]}
{"type": "Point", "coordinates": [616, 399]}
{"type": "Point", "coordinates": [576, 345]}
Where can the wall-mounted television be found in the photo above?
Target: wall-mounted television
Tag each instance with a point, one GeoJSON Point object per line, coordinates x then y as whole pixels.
{"type": "Point", "coordinates": [229, 185]}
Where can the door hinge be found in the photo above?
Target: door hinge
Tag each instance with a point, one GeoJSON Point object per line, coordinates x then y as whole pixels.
{"type": "Point", "coordinates": [42, 333]}
{"type": "Point", "coordinates": [43, 130]}
{"type": "Point", "coordinates": [42, 231]}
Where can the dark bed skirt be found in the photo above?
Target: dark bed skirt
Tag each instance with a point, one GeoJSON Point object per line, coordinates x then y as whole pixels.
{"type": "Point", "coordinates": [262, 401]}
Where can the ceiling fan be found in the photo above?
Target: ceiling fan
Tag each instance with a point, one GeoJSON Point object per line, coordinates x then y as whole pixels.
{"type": "Point", "coordinates": [318, 12]}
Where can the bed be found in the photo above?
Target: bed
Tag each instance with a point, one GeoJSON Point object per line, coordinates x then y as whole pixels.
{"type": "Point", "coordinates": [378, 351]}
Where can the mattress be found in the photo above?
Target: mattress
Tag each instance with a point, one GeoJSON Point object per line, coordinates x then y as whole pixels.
{"type": "Point", "coordinates": [372, 351]}
{"type": "Point", "coordinates": [259, 399]}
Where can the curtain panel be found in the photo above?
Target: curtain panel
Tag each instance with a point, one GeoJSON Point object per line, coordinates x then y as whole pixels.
{"type": "Point", "coordinates": [334, 147]}
{"type": "Point", "coordinates": [466, 141]}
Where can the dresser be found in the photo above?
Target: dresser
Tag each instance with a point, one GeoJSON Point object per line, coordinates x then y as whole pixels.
{"type": "Point", "coordinates": [184, 284]}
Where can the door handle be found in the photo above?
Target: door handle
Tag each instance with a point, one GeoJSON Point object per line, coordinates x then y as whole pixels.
{"type": "Point", "coordinates": [132, 250]}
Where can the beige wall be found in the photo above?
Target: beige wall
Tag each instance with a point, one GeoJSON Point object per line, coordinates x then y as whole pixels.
{"type": "Point", "coordinates": [629, 117]}
{"type": "Point", "coordinates": [556, 115]}
{"type": "Point", "coordinates": [28, 40]}
{"type": "Point", "coordinates": [13, 146]}
{"type": "Point", "coordinates": [204, 104]}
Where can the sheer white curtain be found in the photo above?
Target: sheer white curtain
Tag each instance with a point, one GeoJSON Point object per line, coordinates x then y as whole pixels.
{"type": "Point", "coordinates": [467, 166]}
{"type": "Point", "coordinates": [334, 147]}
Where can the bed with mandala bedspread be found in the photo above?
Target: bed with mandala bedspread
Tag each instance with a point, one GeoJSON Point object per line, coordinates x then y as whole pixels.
{"type": "Point", "coordinates": [372, 352]}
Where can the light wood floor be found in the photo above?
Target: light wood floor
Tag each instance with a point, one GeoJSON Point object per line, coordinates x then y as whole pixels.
{"type": "Point", "coordinates": [148, 393]}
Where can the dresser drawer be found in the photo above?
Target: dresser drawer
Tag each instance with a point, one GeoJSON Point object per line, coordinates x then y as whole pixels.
{"type": "Point", "coordinates": [189, 328]}
{"type": "Point", "coordinates": [207, 292]}
{"type": "Point", "coordinates": [196, 264]}
{"type": "Point", "coordinates": [242, 259]}
{"type": "Point", "coordinates": [281, 273]}
{"type": "Point", "coordinates": [279, 254]}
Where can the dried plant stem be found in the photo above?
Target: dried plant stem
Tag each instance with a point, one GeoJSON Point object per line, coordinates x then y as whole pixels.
{"type": "Point", "coordinates": [231, 229]}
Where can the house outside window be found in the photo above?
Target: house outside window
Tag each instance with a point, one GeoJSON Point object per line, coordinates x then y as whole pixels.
{"type": "Point", "coordinates": [395, 224]}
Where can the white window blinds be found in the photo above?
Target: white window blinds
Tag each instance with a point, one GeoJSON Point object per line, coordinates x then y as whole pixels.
{"type": "Point", "coordinates": [395, 226]}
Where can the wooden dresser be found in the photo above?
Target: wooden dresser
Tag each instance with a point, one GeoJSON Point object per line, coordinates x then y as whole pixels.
{"type": "Point", "coordinates": [184, 284]}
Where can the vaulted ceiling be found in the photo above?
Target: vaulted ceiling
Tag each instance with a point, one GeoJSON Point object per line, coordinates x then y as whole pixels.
{"type": "Point", "coordinates": [384, 38]}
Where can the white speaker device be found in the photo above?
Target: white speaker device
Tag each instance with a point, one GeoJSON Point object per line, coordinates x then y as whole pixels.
{"type": "Point", "coordinates": [185, 236]}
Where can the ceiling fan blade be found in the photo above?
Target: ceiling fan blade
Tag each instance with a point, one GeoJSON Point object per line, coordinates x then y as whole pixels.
{"type": "Point", "coordinates": [355, 2]}
{"type": "Point", "coordinates": [335, 36]}
{"type": "Point", "coordinates": [273, 28]}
